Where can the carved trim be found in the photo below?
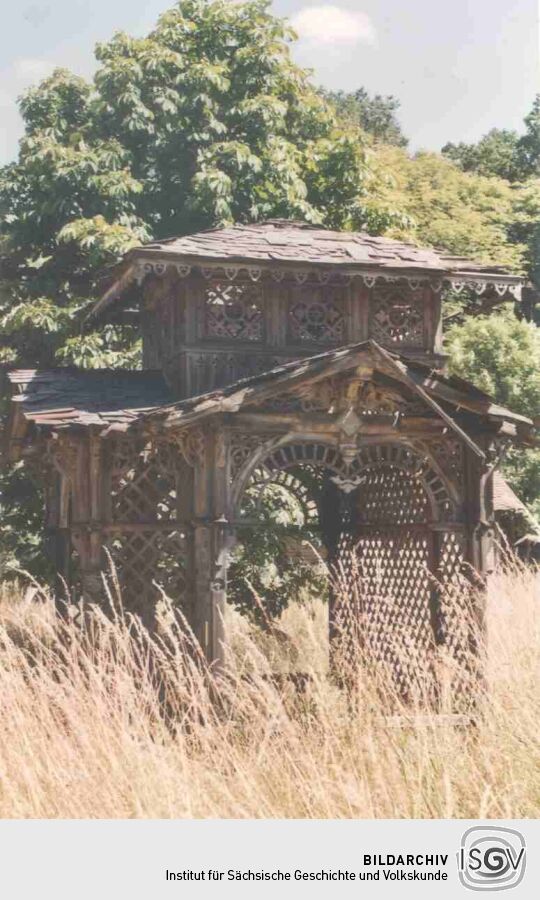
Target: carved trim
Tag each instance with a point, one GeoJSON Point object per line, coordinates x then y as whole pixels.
{"type": "Point", "coordinates": [242, 446]}
{"type": "Point", "coordinates": [63, 454]}
{"type": "Point", "coordinates": [350, 472]}
{"type": "Point", "coordinates": [300, 275]}
{"type": "Point", "coordinates": [340, 393]}
{"type": "Point", "coordinates": [191, 444]}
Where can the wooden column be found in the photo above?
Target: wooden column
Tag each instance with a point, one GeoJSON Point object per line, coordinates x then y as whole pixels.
{"type": "Point", "coordinates": [210, 548]}
{"type": "Point", "coordinates": [87, 508]}
{"type": "Point", "coordinates": [480, 536]}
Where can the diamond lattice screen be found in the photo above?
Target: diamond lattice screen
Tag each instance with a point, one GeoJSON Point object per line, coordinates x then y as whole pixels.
{"type": "Point", "coordinates": [149, 547]}
{"type": "Point", "coordinates": [147, 560]}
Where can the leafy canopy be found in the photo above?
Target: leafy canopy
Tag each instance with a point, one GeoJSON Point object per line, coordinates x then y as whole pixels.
{"type": "Point", "coordinates": [501, 355]}
{"type": "Point", "coordinates": [502, 153]}
{"type": "Point", "coordinates": [204, 121]}
{"type": "Point", "coordinates": [376, 115]}
{"type": "Point", "coordinates": [484, 218]}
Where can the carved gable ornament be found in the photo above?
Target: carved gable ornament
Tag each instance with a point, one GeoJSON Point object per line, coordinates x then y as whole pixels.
{"type": "Point", "coordinates": [337, 394]}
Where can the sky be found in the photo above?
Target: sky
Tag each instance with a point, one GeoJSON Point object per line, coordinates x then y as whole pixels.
{"type": "Point", "coordinates": [459, 68]}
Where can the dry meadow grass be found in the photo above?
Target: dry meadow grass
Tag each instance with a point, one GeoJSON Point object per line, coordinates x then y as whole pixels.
{"type": "Point", "coordinates": [83, 731]}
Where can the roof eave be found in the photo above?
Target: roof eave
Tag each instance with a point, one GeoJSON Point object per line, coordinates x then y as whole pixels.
{"type": "Point", "coordinates": [459, 278]}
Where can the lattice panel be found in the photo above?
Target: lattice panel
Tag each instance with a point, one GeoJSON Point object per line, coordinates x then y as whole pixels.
{"type": "Point", "coordinates": [456, 612]}
{"type": "Point", "coordinates": [234, 311]}
{"type": "Point", "coordinates": [414, 469]}
{"type": "Point", "coordinates": [395, 586]}
{"type": "Point", "coordinates": [316, 315]}
{"type": "Point", "coordinates": [145, 556]}
{"type": "Point", "coordinates": [144, 482]}
{"type": "Point", "coordinates": [397, 315]}
{"type": "Point", "coordinates": [404, 564]}
{"type": "Point", "coordinates": [390, 495]}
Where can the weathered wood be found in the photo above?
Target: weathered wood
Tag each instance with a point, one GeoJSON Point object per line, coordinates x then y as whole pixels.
{"type": "Point", "coordinates": [156, 473]}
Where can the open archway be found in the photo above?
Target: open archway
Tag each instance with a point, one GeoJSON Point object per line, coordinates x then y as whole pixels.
{"type": "Point", "coordinates": [385, 523]}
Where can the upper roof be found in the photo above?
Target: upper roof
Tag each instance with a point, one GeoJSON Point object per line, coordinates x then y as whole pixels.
{"type": "Point", "coordinates": [283, 242]}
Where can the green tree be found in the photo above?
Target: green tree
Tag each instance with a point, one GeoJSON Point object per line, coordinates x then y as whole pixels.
{"type": "Point", "coordinates": [528, 146]}
{"type": "Point", "coordinates": [463, 212]}
{"type": "Point", "coordinates": [204, 121]}
{"type": "Point", "coordinates": [501, 355]}
{"type": "Point", "coordinates": [376, 115]}
{"type": "Point", "coordinates": [494, 154]}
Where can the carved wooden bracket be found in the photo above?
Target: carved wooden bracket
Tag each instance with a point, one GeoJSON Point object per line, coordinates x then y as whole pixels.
{"type": "Point", "coordinates": [63, 454]}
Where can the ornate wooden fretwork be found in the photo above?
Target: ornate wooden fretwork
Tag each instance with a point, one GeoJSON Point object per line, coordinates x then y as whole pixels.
{"type": "Point", "coordinates": [316, 316]}
{"type": "Point", "coordinates": [143, 482]}
{"type": "Point", "coordinates": [149, 561]}
{"type": "Point", "coordinates": [406, 541]}
{"type": "Point", "coordinates": [243, 445]}
{"type": "Point", "coordinates": [393, 463]}
{"type": "Point", "coordinates": [190, 442]}
{"type": "Point", "coordinates": [234, 311]}
{"type": "Point", "coordinates": [62, 454]}
{"type": "Point", "coordinates": [448, 454]}
{"type": "Point", "coordinates": [149, 544]}
{"type": "Point", "coordinates": [291, 482]}
{"type": "Point", "coordinates": [311, 398]}
{"type": "Point", "coordinates": [479, 285]}
{"type": "Point", "coordinates": [397, 316]}
{"type": "Point", "coordinates": [332, 394]}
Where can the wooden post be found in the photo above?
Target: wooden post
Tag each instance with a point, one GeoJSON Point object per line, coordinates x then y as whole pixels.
{"type": "Point", "coordinates": [210, 544]}
{"type": "Point", "coordinates": [480, 549]}
{"type": "Point", "coordinates": [87, 514]}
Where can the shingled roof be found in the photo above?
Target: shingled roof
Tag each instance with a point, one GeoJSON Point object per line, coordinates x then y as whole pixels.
{"type": "Point", "coordinates": [504, 498]}
{"type": "Point", "coordinates": [66, 397]}
{"type": "Point", "coordinates": [441, 393]}
{"type": "Point", "coordinates": [283, 242]}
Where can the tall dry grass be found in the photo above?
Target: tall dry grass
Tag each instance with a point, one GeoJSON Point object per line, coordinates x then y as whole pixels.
{"type": "Point", "coordinates": [97, 720]}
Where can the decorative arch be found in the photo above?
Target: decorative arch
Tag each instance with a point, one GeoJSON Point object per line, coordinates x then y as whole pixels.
{"type": "Point", "coordinates": [403, 523]}
{"type": "Point", "coordinates": [375, 460]}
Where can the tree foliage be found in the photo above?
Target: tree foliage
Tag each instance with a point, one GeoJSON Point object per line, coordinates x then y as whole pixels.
{"type": "Point", "coordinates": [269, 562]}
{"type": "Point", "coordinates": [376, 115]}
{"type": "Point", "coordinates": [204, 121]}
{"type": "Point", "coordinates": [501, 355]}
{"type": "Point", "coordinates": [494, 154]}
{"type": "Point", "coordinates": [501, 152]}
{"type": "Point", "coordinates": [484, 218]}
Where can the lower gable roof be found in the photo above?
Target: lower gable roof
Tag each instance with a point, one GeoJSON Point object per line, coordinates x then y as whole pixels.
{"type": "Point", "coordinates": [446, 395]}
{"type": "Point", "coordinates": [65, 398]}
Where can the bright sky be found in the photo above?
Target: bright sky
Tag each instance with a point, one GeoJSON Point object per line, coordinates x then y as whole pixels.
{"type": "Point", "coordinates": [459, 68]}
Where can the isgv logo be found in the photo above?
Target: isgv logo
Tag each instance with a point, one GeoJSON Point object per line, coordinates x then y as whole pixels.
{"type": "Point", "coordinates": [491, 858]}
